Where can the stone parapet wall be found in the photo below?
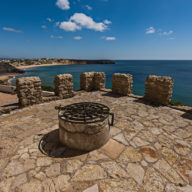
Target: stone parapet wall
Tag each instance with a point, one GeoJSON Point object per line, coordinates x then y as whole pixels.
{"type": "Point", "coordinates": [122, 84]}
{"type": "Point", "coordinates": [63, 85]}
{"type": "Point", "coordinates": [86, 81]}
{"type": "Point", "coordinates": [92, 81]}
{"type": "Point", "coordinates": [99, 80]}
{"type": "Point", "coordinates": [29, 91]}
{"type": "Point", "coordinates": [158, 89]}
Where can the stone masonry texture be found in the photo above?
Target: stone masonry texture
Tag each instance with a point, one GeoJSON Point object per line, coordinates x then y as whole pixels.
{"type": "Point", "coordinates": [122, 84]}
{"type": "Point", "coordinates": [150, 150]}
{"type": "Point", "coordinates": [92, 81]}
{"type": "Point", "coordinates": [158, 89]}
{"type": "Point", "coordinates": [64, 85]}
{"type": "Point", "coordinates": [29, 91]}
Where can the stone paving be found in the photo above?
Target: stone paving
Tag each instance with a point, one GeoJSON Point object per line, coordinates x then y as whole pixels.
{"type": "Point", "coordinates": [149, 150]}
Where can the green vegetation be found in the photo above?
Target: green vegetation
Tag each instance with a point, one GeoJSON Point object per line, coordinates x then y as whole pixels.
{"type": "Point", "coordinates": [47, 88]}
{"type": "Point", "coordinates": [176, 103]}
{"type": "Point", "coordinates": [5, 112]}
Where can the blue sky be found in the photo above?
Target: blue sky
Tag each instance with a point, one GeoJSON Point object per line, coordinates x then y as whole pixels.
{"type": "Point", "coordinates": [96, 29]}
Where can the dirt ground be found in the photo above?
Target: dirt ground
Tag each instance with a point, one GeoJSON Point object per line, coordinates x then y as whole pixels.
{"type": "Point", "coordinates": [7, 98]}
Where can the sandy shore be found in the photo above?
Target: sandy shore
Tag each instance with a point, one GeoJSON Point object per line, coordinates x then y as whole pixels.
{"type": "Point", "coordinates": [43, 65]}
{"type": "Point", "coordinates": [6, 76]}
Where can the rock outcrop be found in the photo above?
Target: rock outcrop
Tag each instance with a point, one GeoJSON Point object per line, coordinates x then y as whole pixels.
{"type": "Point", "coordinates": [76, 61]}
{"type": "Point", "coordinates": [8, 68]}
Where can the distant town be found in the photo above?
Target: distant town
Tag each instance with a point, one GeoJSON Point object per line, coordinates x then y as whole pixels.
{"type": "Point", "coordinates": [42, 61]}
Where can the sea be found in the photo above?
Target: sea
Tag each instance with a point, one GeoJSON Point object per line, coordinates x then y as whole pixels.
{"type": "Point", "coordinates": [180, 71]}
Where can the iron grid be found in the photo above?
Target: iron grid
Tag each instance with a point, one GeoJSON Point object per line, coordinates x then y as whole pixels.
{"type": "Point", "coordinates": [84, 113]}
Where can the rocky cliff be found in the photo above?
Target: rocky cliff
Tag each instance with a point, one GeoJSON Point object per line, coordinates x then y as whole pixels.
{"type": "Point", "coordinates": [77, 61]}
{"type": "Point", "coordinates": [7, 68]}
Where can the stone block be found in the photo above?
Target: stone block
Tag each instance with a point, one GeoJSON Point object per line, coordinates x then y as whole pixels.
{"type": "Point", "coordinates": [90, 81]}
{"type": "Point", "coordinates": [86, 81]}
{"type": "Point", "coordinates": [99, 80]}
{"type": "Point", "coordinates": [28, 91]}
{"type": "Point", "coordinates": [122, 84]}
{"type": "Point", "coordinates": [64, 85]}
{"type": "Point", "coordinates": [158, 89]}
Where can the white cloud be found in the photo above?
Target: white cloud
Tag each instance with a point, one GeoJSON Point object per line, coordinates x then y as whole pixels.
{"type": "Point", "coordinates": [50, 20]}
{"type": "Point", "coordinates": [56, 37]}
{"type": "Point", "coordinates": [63, 4]}
{"type": "Point", "coordinates": [167, 33]}
{"type": "Point", "coordinates": [88, 7]}
{"type": "Point", "coordinates": [43, 26]}
{"type": "Point", "coordinates": [150, 30]}
{"type": "Point", "coordinates": [78, 38]}
{"type": "Point", "coordinates": [11, 30]}
{"type": "Point", "coordinates": [69, 26]}
{"type": "Point", "coordinates": [79, 21]}
{"type": "Point", "coordinates": [87, 22]}
{"type": "Point", "coordinates": [109, 38]}
{"type": "Point", "coordinates": [107, 22]}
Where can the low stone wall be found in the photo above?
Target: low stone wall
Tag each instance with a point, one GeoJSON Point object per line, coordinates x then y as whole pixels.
{"type": "Point", "coordinates": [64, 85]}
{"type": "Point", "coordinates": [158, 89]}
{"type": "Point", "coordinates": [122, 84]}
{"type": "Point", "coordinates": [92, 81]}
{"type": "Point", "coordinates": [29, 91]}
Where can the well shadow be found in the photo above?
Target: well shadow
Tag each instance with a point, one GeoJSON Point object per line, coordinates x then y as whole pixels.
{"type": "Point", "coordinates": [50, 146]}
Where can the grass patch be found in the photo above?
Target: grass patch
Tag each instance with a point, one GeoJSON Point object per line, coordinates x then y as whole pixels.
{"type": "Point", "coordinates": [47, 88]}
{"type": "Point", "coordinates": [176, 103]}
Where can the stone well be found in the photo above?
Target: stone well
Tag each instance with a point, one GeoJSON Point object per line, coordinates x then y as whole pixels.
{"type": "Point", "coordinates": [84, 126]}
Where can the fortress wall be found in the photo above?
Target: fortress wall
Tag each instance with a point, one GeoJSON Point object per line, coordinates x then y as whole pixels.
{"type": "Point", "coordinates": [29, 91]}
{"type": "Point", "coordinates": [92, 81]}
{"type": "Point", "coordinates": [158, 89]}
{"type": "Point", "coordinates": [122, 84]}
{"type": "Point", "coordinates": [63, 85]}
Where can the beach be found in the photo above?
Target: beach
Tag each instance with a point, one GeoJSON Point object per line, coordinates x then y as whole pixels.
{"type": "Point", "coordinates": [42, 65]}
{"type": "Point", "coordinates": [6, 76]}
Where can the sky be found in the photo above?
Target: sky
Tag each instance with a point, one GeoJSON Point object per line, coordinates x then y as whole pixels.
{"type": "Point", "coordinates": [96, 29]}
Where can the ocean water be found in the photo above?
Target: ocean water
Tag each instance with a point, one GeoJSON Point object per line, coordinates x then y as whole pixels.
{"type": "Point", "coordinates": [180, 71]}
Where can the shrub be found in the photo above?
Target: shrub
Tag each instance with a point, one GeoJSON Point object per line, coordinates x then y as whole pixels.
{"type": "Point", "coordinates": [176, 103]}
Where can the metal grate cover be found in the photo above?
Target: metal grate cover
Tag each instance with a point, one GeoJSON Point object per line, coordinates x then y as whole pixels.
{"type": "Point", "coordinates": [84, 113]}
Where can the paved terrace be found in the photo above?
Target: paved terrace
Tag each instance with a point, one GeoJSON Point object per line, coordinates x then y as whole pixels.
{"type": "Point", "coordinates": [149, 150]}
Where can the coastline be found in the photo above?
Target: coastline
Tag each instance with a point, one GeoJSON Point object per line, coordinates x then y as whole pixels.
{"type": "Point", "coordinates": [6, 77]}
{"type": "Point", "coordinates": [42, 65]}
